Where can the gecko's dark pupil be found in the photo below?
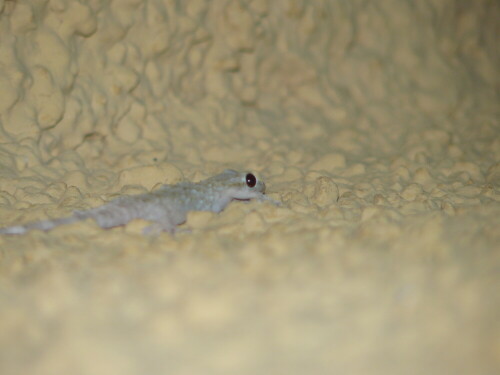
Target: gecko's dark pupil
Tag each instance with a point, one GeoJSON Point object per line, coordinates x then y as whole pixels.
{"type": "Point", "coordinates": [251, 180]}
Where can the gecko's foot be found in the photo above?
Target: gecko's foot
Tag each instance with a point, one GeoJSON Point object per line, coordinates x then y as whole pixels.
{"type": "Point", "coordinates": [266, 198]}
{"type": "Point", "coordinates": [183, 230]}
{"type": "Point", "coordinates": [155, 230]}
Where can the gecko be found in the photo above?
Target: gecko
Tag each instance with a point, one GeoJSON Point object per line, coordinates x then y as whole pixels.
{"type": "Point", "coordinates": [166, 207]}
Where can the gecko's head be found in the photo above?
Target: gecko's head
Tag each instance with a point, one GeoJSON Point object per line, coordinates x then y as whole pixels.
{"type": "Point", "coordinates": [244, 185]}
{"type": "Point", "coordinates": [254, 183]}
{"type": "Point", "coordinates": [244, 180]}
{"type": "Point", "coordinates": [249, 186]}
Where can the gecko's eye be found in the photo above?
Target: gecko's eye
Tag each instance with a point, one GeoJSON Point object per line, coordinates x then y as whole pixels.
{"type": "Point", "coordinates": [251, 180]}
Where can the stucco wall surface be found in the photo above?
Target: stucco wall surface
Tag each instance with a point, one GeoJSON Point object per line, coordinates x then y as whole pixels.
{"type": "Point", "coordinates": [375, 123]}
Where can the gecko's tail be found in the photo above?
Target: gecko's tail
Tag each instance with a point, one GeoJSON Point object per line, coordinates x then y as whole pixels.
{"type": "Point", "coordinates": [44, 225]}
{"type": "Point", "coordinates": [16, 229]}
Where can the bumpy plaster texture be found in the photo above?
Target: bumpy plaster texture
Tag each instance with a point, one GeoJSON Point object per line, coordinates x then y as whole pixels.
{"type": "Point", "coordinates": [374, 122]}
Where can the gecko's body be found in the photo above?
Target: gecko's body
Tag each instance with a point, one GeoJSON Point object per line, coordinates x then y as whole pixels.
{"type": "Point", "coordinates": [166, 207]}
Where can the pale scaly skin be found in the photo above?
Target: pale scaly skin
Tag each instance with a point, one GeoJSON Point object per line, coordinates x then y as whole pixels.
{"type": "Point", "coordinates": [166, 207]}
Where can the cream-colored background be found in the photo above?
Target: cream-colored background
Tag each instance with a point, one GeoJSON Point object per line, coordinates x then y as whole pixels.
{"type": "Point", "coordinates": [376, 123]}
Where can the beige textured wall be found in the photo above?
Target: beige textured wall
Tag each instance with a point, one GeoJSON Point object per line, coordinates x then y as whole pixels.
{"type": "Point", "coordinates": [376, 123]}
